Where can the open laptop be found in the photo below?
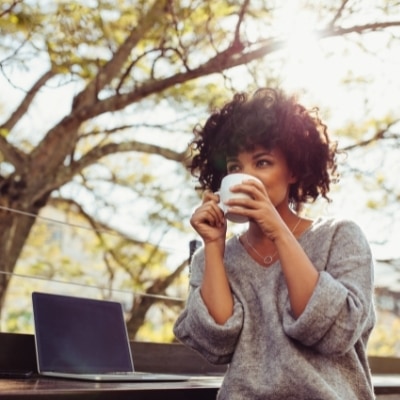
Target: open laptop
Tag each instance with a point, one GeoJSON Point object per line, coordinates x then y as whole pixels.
{"type": "Point", "coordinates": [86, 339]}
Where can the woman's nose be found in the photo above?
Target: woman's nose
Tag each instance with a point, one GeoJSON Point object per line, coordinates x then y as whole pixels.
{"type": "Point", "coordinates": [248, 171]}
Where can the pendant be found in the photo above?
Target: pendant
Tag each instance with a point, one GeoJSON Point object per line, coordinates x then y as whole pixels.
{"type": "Point", "coordinates": [268, 259]}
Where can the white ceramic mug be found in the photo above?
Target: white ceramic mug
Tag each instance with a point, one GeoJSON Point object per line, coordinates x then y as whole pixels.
{"type": "Point", "coordinates": [225, 194]}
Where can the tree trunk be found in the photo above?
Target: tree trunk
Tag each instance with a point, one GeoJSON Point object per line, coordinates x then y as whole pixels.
{"type": "Point", "coordinates": [17, 216]}
{"type": "Point", "coordinates": [138, 313]}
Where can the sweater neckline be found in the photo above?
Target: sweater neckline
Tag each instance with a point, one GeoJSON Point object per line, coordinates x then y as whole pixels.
{"type": "Point", "coordinates": [270, 266]}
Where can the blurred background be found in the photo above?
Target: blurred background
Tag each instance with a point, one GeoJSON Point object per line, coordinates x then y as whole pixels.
{"type": "Point", "coordinates": [98, 103]}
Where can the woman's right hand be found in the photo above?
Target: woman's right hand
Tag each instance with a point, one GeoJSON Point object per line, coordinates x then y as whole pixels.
{"type": "Point", "coordinates": [208, 220]}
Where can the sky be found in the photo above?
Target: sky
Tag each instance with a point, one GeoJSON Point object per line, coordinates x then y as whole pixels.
{"type": "Point", "coordinates": [318, 80]}
{"type": "Point", "coordinates": [306, 70]}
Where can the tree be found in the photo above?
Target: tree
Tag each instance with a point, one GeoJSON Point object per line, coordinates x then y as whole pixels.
{"type": "Point", "coordinates": [124, 60]}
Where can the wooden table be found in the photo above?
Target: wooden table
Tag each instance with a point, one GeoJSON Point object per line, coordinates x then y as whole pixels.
{"type": "Point", "coordinates": [385, 384]}
{"type": "Point", "coordinates": [45, 388]}
{"type": "Point", "coordinates": [195, 388]}
{"type": "Point", "coordinates": [17, 352]}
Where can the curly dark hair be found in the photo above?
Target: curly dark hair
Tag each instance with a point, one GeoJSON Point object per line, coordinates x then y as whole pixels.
{"type": "Point", "coordinates": [271, 119]}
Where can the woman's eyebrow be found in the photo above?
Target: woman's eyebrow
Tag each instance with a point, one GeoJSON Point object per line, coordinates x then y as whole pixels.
{"type": "Point", "coordinates": [263, 154]}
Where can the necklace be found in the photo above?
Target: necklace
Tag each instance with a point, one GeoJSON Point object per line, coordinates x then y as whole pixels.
{"type": "Point", "coordinates": [268, 258]}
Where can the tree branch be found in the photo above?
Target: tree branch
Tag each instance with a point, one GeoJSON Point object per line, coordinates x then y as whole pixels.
{"type": "Point", "coordinates": [339, 12]}
{"type": "Point", "coordinates": [99, 152]}
{"type": "Point", "coordinates": [113, 67]}
{"type": "Point", "coordinates": [233, 56]}
{"type": "Point", "coordinates": [161, 284]}
{"type": "Point", "coordinates": [26, 102]}
{"type": "Point", "coordinates": [338, 31]}
{"type": "Point", "coordinates": [11, 154]}
{"type": "Point", "coordinates": [241, 15]}
{"type": "Point", "coordinates": [65, 174]}
{"type": "Point", "coordinates": [99, 228]}
{"type": "Point", "coordinates": [379, 135]}
{"type": "Point", "coordinates": [10, 8]}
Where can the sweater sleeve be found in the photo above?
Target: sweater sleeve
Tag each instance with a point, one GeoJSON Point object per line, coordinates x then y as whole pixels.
{"type": "Point", "coordinates": [197, 329]}
{"type": "Point", "coordinates": [341, 308]}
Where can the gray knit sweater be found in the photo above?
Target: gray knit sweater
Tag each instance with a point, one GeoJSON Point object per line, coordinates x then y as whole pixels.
{"type": "Point", "coordinates": [271, 355]}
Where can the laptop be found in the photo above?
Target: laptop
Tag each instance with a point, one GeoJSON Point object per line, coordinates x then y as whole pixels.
{"type": "Point", "coordinates": [87, 339]}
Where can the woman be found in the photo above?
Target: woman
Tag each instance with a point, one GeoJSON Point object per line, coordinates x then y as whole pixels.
{"type": "Point", "coordinates": [288, 303]}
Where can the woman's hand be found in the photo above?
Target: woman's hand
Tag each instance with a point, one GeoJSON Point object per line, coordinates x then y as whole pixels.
{"type": "Point", "coordinates": [209, 220]}
{"type": "Point", "coordinates": [300, 274]}
{"type": "Point", "coordinates": [258, 208]}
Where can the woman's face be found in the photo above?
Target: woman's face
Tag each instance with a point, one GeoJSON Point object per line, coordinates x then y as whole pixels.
{"type": "Point", "coordinates": [269, 166]}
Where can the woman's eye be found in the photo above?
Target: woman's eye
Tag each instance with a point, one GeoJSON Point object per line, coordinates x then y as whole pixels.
{"type": "Point", "coordinates": [232, 168]}
{"type": "Point", "coordinates": [263, 163]}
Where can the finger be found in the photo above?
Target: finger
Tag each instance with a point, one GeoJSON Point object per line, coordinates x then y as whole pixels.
{"type": "Point", "coordinates": [249, 207]}
{"type": "Point", "coordinates": [210, 214]}
{"type": "Point", "coordinates": [208, 195]}
{"type": "Point", "coordinates": [252, 188]}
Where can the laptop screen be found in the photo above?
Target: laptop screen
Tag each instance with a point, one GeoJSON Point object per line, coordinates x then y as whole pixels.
{"type": "Point", "coordinates": [79, 335]}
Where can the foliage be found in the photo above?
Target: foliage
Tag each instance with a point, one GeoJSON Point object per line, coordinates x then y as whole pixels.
{"type": "Point", "coordinates": [385, 339]}
{"type": "Point", "coordinates": [103, 98]}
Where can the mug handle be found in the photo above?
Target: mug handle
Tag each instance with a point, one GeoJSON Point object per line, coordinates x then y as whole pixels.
{"type": "Point", "coordinates": [220, 204]}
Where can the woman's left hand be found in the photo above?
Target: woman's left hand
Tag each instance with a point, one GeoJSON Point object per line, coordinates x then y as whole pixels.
{"type": "Point", "coordinates": [258, 207]}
